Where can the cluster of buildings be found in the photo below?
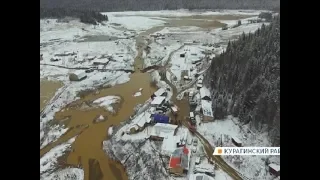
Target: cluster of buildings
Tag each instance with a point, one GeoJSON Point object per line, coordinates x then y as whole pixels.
{"type": "Point", "coordinates": [203, 102]}
{"type": "Point", "coordinates": [156, 125]}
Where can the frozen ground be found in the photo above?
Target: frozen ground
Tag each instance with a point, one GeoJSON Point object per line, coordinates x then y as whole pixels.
{"type": "Point", "coordinates": [251, 166]}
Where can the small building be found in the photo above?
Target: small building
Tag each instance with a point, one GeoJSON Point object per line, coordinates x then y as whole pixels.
{"type": "Point", "coordinates": [159, 92]}
{"type": "Point", "coordinates": [205, 94]}
{"type": "Point", "coordinates": [199, 86]}
{"type": "Point", "coordinates": [183, 55]}
{"type": "Point", "coordinates": [169, 144]}
{"type": "Point", "coordinates": [191, 94]}
{"type": "Point", "coordinates": [77, 75]}
{"type": "Point", "coordinates": [158, 101]}
{"type": "Point", "coordinates": [195, 61]}
{"type": "Point", "coordinates": [179, 161]}
{"type": "Point", "coordinates": [274, 169]}
{"type": "Point", "coordinates": [160, 131]}
{"type": "Point", "coordinates": [191, 115]}
{"type": "Point", "coordinates": [200, 77]}
{"type": "Point", "coordinates": [198, 160]}
{"type": "Point", "coordinates": [206, 109]}
{"type": "Point", "coordinates": [198, 119]}
{"type": "Point", "coordinates": [236, 141]}
{"type": "Point", "coordinates": [174, 109]}
{"type": "Point", "coordinates": [186, 78]}
{"type": "Point", "coordinates": [158, 118]}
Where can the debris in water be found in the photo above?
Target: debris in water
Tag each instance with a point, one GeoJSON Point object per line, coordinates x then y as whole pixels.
{"type": "Point", "coordinates": [137, 94]}
{"type": "Point", "coordinates": [110, 130]}
{"type": "Point", "coordinates": [140, 89]}
{"type": "Point", "coordinates": [100, 119]}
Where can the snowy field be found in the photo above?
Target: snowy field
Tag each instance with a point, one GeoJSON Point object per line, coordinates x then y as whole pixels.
{"type": "Point", "coordinates": [184, 12]}
{"type": "Point", "coordinates": [49, 162]}
{"type": "Point", "coordinates": [251, 166]}
{"type": "Point", "coordinates": [110, 48]}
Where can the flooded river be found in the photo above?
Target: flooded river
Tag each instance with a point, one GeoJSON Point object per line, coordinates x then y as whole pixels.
{"type": "Point", "coordinates": [47, 91]}
{"type": "Point", "coordinates": [87, 148]}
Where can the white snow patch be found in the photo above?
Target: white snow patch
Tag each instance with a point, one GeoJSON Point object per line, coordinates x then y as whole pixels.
{"type": "Point", "coordinates": [107, 102]}
{"type": "Point", "coordinates": [49, 160]}
{"type": "Point", "coordinates": [101, 117]}
{"type": "Point", "coordinates": [137, 94]}
{"type": "Point", "coordinates": [74, 173]}
{"type": "Point", "coordinates": [221, 175]}
{"type": "Point", "coordinates": [250, 166]}
{"type": "Point", "coordinates": [110, 130]}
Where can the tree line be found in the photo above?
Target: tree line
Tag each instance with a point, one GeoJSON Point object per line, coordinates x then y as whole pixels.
{"type": "Point", "coordinates": [245, 80]}
{"type": "Point", "coordinates": [85, 16]}
{"type": "Point", "coordinates": [144, 5]}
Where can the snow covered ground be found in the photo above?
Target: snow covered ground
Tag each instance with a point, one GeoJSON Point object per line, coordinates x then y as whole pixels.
{"type": "Point", "coordinates": [179, 64]}
{"type": "Point", "coordinates": [251, 166]}
{"type": "Point", "coordinates": [141, 23]}
{"type": "Point", "coordinates": [160, 51]}
{"type": "Point", "coordinates": [49, 161]}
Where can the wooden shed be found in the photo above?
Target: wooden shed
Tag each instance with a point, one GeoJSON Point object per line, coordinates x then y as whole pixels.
{"type": "Point", "coordinates": [274, 169]}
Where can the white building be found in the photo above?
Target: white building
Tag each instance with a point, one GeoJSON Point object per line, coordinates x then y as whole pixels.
{"type": "Point", "coordinates": [206, 108]}
{"type": "Point", "coordinates": [158, 101]}
{"type": "Point", "coordinates": [205, 94]}
{"type": "Point", "coordinates": [236, 141]}
{"type": "Point", "coordinates": [274, 169]}
{"type": "Point", "coordinates": [163, 130]}
{"type": "Point", "coordinates": [77, 75]}
{"type": "Point", "coordinates": [199, 86]}
{"type": "Point", "coordinates": [169, 144]}
{"type": "Point", "coordinates": [159, 92]}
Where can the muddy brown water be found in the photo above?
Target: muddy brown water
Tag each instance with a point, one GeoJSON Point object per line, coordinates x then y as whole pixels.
{"type": "Point", "coordinates": [87, 148]}
{"type": "Point", "coordinates": [47, 91]}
